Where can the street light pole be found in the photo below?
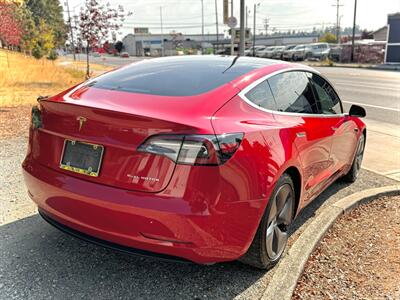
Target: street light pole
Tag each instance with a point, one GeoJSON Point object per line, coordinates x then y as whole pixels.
{"type": "Point", "coordinates": [354, 31]}
{"type": "Point", "coordinates": [242, 20]}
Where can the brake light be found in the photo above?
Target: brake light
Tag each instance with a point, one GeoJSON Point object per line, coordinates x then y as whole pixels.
{"type": "Point", "coordinates": [194, 149]}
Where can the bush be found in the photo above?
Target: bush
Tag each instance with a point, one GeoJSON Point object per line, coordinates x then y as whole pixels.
{"type": "Point", "coordinates": [52, 55]}
{"type": "Point", "coordinates": [37, 52]}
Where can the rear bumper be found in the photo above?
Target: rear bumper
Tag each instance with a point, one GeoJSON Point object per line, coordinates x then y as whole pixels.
{"type": "Point", "coordinates": [107, 244]}
{"type": "Point", "coordinates": [185, 227]}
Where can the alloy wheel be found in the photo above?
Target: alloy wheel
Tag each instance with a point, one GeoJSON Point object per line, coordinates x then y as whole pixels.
{"type": "Point", "coordinates": [280, 217]}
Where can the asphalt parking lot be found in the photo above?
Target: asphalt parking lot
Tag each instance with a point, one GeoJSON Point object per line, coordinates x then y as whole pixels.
{"type": "Point", "coordinates": [40, 262]}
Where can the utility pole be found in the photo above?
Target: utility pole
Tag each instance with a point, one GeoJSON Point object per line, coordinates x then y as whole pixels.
{"type": "Point", "coordinates": [232, 32]}
{"type": "Point", "coordinates": [162, 34]}
{"type": "Point", "coordinates": [354, 31]}
{"type": "Point", "coordinates": [216, 22]}
{"type": "Point", "coordinates": [337, 21]}
{"type": "Point", "coordinates": [202, 23]}
{"type": "Point", "coordinates": [266, 25]}
{"type": "Point", "coordinates": [242, 33]}
{"type": "Point", "coordinates": [254, 28]}
{"type": "Point", "coordinates": [70, 29]}
{"type": "Point", "coordinates": [247, 18]}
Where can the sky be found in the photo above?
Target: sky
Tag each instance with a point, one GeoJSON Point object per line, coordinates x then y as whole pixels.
{"type": "Point", "coordinates": [185, 15]}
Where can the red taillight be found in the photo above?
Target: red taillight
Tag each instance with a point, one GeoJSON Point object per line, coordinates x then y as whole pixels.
{"type": "Point", "coordinates": [194, 149]}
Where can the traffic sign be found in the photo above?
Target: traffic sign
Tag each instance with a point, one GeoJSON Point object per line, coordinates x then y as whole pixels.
{"type": "Point", "coordinates": [232, 22]}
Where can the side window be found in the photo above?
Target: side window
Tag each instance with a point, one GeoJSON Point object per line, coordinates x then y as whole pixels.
{"type": "Point", "coordinates": [293, 93]}
{"type": "Point", "coordinates": [261, 95]}
{"type": "Point", "coordinates": [329, 101]}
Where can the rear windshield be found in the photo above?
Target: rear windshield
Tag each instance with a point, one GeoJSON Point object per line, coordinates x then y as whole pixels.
{"type": "Point", "coordinates": [178, 76]}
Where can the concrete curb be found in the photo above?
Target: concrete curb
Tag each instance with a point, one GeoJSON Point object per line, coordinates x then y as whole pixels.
{"type": "Point", "coordinates": [290, 268]}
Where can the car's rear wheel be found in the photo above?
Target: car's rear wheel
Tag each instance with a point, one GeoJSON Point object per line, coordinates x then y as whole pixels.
{"type": "Point", "coordinates": [352, 175]}
{"type": "Point", "coordinates": [271, 236]}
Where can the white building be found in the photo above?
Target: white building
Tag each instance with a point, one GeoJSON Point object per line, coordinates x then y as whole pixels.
{"type": "Point", "coordinates": [151, 44]}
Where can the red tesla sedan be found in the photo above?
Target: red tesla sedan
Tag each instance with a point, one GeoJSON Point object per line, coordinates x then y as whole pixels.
{"type": "Point", "coordinates": [203, 159]}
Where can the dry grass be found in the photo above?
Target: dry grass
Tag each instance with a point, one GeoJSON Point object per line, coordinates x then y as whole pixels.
{"type": "Point", "coordinates": [23, 79]}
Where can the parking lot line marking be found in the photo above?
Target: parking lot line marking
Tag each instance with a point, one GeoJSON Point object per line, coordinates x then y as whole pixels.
{"type": "Point", "coordinates": [370, 105]}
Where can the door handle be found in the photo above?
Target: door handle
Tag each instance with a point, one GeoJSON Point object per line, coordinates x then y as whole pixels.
{"type": "Point", "coordinates": [301, 134]}
{"type": "Point", "coordinates": [356, 129]}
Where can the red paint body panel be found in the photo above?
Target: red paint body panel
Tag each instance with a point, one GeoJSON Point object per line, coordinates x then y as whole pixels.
{"type": "Point", "coordinates": [205, 214]}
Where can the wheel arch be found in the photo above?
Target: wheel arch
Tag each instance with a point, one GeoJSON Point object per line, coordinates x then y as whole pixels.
{"type": "Point", "coordinates": [295, 175]}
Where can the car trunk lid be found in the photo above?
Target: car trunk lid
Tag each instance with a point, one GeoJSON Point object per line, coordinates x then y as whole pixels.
{"type": "Point", "coordinates": [121, 122]}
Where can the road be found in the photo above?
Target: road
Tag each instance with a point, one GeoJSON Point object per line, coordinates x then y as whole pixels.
{"type": "Point", "coordinates": [377, 91]}
{"type": "Point", "coordinates": [107, 60]}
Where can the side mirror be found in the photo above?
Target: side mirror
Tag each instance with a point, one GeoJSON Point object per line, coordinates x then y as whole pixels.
{"type": "Point", "coordinates": [357, 111]}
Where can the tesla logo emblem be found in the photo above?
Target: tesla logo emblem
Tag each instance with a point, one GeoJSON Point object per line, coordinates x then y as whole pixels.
{"type": "Point", "coordinates": [82, 121]}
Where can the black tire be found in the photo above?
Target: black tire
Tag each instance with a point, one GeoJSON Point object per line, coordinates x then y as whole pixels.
{"type": "Point", "coordinates": [352, 175]}
{"type": "Point", "coordinates": [259, 254]}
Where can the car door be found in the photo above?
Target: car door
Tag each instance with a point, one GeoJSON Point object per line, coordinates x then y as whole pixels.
{"type": "Point", "coordinates": [344, 137]}
{"type": "Point", "coordinates": [310, 132]}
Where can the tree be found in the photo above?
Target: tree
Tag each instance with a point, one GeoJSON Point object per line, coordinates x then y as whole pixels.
{"type": "Point", "coordinates": [95, 22]}
{"type": "Point", "coordinates": [28, 28]}
{"type": "Point", "coordinates": [43, 43]}
{"type": "Point", "coordinates": [119, 46]}
{"type": "Point", "coordinates": [328, 38]}
{"type": "Point", "coordinates": [10, 26]}
{"type": "Point", "coordinates": [51, 12]}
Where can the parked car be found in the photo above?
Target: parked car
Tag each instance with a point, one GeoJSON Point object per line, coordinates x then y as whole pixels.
{"type": "Point", "coordinates": [249, 52]}
{"type": "Point", "coordinates": [223, 51]}
{"type": "Point", "coordinates": [260, 51]}
{"type": "Point", "coordinates": [299, 52]}
{"type": "Point", "coordinates": [124, 54]}
{"type": "Point", "coordinates": [266, 52]}
{"type": "Point", "coordinates": [335, 52]}
{"type": "Point", "coordinates": [199, 162]}
{"type": "Point", "coordinates": [277, 52]}
{"type": "Point", "coordinates": [287, 53]}
{"type": "Point", "coordinates": [318, 51]}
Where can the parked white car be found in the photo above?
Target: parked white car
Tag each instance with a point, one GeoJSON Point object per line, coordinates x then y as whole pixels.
{"type": "Point", "coordinates": [260, 51]}
{"type": "Point", "coordinates": [318, 51]}
{"type": "Point", "coordinates": [249, 51]}
{"type": "Point", "coordinates": [288, 52]}
{"type": "Point", "coordinates": [267, 52]}
{"type": "Point", "coordinates": [277, 53]}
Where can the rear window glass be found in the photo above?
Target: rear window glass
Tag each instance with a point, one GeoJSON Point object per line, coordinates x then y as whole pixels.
{"type": "Point", "coordinates": [186, 76]}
